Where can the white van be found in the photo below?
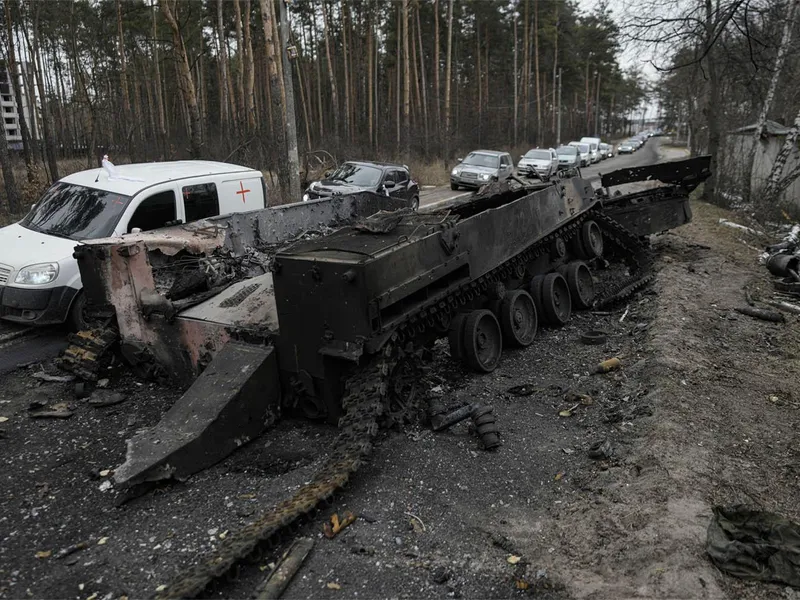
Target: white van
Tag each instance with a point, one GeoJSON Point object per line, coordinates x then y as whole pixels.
{"type": "Point", "coordinates": [594, 147]}
{"type": "Point", "coordinates": [39, 278]}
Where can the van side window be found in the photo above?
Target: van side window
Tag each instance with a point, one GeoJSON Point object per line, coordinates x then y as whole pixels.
{"type": "Point", "coordinates": [154, 212]}
{"type": "Point", "coordinates": [200, 201]}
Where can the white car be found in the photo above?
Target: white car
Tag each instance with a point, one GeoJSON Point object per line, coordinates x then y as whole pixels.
{"type": "Point", "coordinates": [39, 279]}
{"type": "Point", "coordinates": [539, 162]}
{"type": "Point", "coordinates": [584, 151]}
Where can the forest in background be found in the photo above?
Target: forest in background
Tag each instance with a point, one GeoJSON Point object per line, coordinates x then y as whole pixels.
{"type": "Point", "coordinates": [406, 80]}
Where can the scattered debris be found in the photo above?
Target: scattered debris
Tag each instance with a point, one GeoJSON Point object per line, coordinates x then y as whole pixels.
{"type": "Point", "coordinates": [291, 561]}
{"type": "Point", "coordinates": [102, 398]}
{"type": "Point", "coordinates": [733, 225]}
{"type": "Point", "coordinates": [625, 314]}
{"type": "Point", "coordinates": [568, 412]}
{"type": "Point", "coordinates": [784, 306]}
{"type": "Point", "coordinates": [486, 425]}
{"type": "Point", "coordinates": [580, 397]}
{"type": "Point", "coordinates": [753, 544]}
{"type": "Point", "coordinates": [102, 541]}
{"type": "Point", "coordinates": [102, 383]}
{"type": "Point", "coordinates": [513, 559]}
{"type": "Point", "coordinates": [416, 522]}
{"type": "Point", "coordinates": [526, 389]}
{"type": "Point", "coordinates": [761, 313]}
{"type": "Point", "coordinates": [335, 526]}
{"type": "Point", "coordinates": [559, 476]}
{"type": "Point", "coordinates": [442, 421]}
{"type": "Point", "coordinates": [3, 419]}
{"type": "Point", "coordinates": [332, 585]}
{"type": "Point", "coordinates": [594, 337]}
{"type": "Point", "coordinates": [601, 450]}
{"type": "Point", "coordinates": [64, 552]}
{"type": "Point", "coordinates": [44, 553]}
{"type": "Point", "coordinates": [42, 376]}
{"type": "Point", "coordinates": [57, 411]}
{"type": "Point", "coordinates": [610, 364]}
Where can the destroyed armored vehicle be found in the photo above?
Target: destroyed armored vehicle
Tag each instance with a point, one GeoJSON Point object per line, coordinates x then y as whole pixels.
{"type": "Point", "coordinates": [335, 324]}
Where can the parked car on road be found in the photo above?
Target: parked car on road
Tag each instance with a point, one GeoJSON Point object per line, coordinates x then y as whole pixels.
{"type": "Point", "coordinates": [538, 163]}
{"type": "Point", "coordinates": [627, 147]}
{"type": "Point", "coordinates": [606, 150]}
{"type": "Point", "coordinates": [594, 148]}
{"type": "Point", "coordinates": [387, 179]}
{"type": "Point", "coordinates": [583, 149]}
{"type": "Point", "coordinates": [481, 167]}
{"type": "Point", "coordinates": [39, 278]}
{"type": "Point", "coordinates": [568, 157]}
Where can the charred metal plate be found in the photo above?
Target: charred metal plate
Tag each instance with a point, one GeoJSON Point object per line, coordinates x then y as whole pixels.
{"type": "Point", "coordinates": [246, 303]}
{"type": "Point", "coordinates": [687, 173]}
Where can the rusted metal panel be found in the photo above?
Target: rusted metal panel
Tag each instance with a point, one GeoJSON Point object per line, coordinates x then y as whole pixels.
{"type": "Point", "coordinates": [687, 173]}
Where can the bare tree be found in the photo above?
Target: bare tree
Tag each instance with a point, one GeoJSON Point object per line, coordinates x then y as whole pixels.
{"type": "Point", "coordinates": [186, 82]}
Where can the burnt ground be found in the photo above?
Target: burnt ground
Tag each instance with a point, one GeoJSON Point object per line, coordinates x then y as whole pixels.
{"type": "Point", "coordinates": [704, 411]}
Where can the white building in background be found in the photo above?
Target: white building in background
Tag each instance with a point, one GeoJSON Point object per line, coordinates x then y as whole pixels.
{"type": "Point", "coordinates": [10, 111]}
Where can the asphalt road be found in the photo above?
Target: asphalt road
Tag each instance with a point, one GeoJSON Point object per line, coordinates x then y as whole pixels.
{"type": "Point", "coordinates": [437, 197]}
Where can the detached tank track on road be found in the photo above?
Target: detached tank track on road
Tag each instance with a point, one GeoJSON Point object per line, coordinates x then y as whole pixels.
{"type": "Point", "coordinates": [365, 401]}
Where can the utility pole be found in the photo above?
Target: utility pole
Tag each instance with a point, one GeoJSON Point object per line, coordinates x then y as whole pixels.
{"type": "Point", "coordinates": [291, 121]}
{"type": "Point", "coordinates": [558, 128]}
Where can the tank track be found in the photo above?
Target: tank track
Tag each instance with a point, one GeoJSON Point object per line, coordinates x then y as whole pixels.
{"type": "Point", "coordinates": [363, 403]}
{"type": "Point", "coordinates": [634, 252]}
{"type": "Point", "coordinates": [88, 351]}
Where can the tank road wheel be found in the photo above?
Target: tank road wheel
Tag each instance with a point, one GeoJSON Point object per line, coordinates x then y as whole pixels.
{"type": "Point", "coordinates": [591, 240]}
{"type": "Point", "coordinates": [483, 341]}
{"type": "Point", "coordinates": [580, 283]}
{"type": "Point", "coordinates": [455, 336]}
{"type": "Point", "coordinates": [518, 318]}
{"type": "Point", "coordinates": [535, 290]}
{"type": "Point", "coordinates": [556, 300]}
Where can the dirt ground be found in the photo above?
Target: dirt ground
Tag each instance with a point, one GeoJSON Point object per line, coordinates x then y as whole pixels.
{"type": "Point", "coordinates": [704, 411]}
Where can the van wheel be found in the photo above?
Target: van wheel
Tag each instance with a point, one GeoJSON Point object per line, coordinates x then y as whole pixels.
{"type": "Point", "coordinates": [76, 319]}
{"type": "Point", "coordinates": [454, 186]}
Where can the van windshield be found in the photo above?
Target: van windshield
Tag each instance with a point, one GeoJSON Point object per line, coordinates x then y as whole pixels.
{"type": "Point", "coordinates": [76, 212]}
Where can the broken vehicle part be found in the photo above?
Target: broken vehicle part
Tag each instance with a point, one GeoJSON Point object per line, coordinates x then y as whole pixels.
{"type": "Point", "coordinates": [232, 402]}
{"type": "Point", "coordinates": [276, 582]}
{"type": "Point", "coordinates": [441, 422]}
{"type": "Point", "coordinates": [761, 313]}
{"type": "Point", "coordinates": [486, 426]}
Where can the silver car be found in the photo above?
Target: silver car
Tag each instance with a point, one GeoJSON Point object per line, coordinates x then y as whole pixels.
{"type": "Point", "coordinates": [538, 163]}
{"type": "Point", "coordinates": [481, 167]}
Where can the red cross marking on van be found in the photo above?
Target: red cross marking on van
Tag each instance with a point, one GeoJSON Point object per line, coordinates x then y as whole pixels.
{"type": "Point", "coordinates": [242, 191]}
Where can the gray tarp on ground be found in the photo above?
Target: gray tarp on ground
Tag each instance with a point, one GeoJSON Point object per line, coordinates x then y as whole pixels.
{"type": "Point", "coordinates": [753, 544]}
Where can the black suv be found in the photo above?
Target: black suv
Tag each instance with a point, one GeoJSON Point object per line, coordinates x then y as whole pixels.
{"type": "Point", "coordinates": [361, 176]}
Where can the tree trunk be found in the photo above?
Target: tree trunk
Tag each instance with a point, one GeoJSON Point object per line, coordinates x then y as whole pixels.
{"type": "Point", "coordinates": [406, 86]}
{"type": "Point", "coordinates": [447, 80]}
{"type": "Point", "coordinates": [713, 106]}
{"type": "Point", "coordinates": [555, 63]}
{"type": "Point", "coordinates": [49, 141]}
{"type": "Point", "coordinates": [127, 119]}
{"type": "Point", "coordinates": [12, 196]}
{"type": "Point", "coordinates": [185, 81]}
{"type": "Point", "coordinates": [12, 70]}
{"type": "Point", "coordinates": [398, 86]}
{"type": "Point", "coordinates": [345, 54]}
{"type": "Point", "coordinates": [249, 71]}
{"type": "Point", "coordinates": [331, 73]}
{"type": "Point", "coordinates": [424, 84]}
{"type": "Point", "coordinates": [161, 130]}
{"type": "Point", "coordinates": [278, 130]}
{"type": "Point", "coordinates": [536, 66]}
{"type": "Point", "coordinates": [783, 50]}
{"type": "Point", "coordinates": [516, 82]}
{"type": "Point", "coordinates": [778, 167]}
{"type": "Point", "coordinates": [242, 56]}
{"type": "Point", "coordinates": [478, 75]}
{"type": "Point", "coordinates": [526, 70]}
{"type": "Point", "coordinates": [370, 52]}
{"type": "Point", "coordinates": [287, 92]}
{"type": "Point", "coordinates": [437, 68]}
{"type": "Point", "coordinates": [222, 58]}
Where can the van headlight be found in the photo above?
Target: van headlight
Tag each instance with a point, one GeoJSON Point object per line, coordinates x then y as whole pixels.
{"type": "Point", "coordinates": [37, 274]}
{"type": "Point", "coordinates": [455, 172]}
{"type": "Point", "coordinates": [485, 176]}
